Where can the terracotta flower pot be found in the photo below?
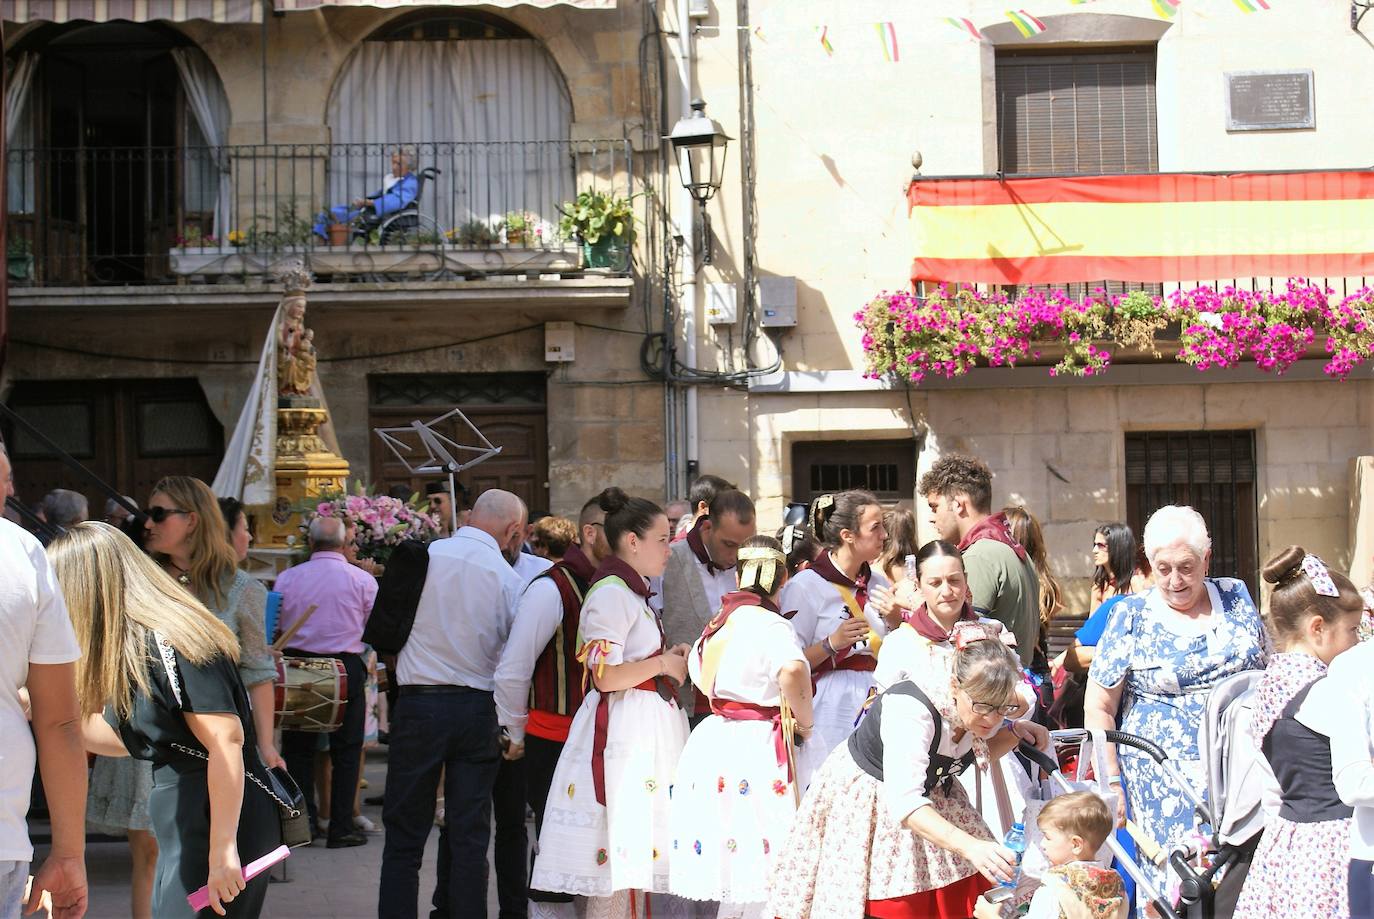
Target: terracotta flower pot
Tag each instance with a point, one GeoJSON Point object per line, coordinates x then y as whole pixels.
{"type": "Point", "coordinates": [338, 234]}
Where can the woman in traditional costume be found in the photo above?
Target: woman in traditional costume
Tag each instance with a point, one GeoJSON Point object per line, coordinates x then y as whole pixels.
{"type": "Point", "coordinates": [735, 794]}
{"type": "Point", "coordinates": [605, 834]}
{"type": "Point", "coordinates": [833, 625]}
{"type": "Point", "coordinates": [886, 830]}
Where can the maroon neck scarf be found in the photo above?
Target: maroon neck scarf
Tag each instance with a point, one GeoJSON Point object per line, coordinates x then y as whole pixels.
{"type": "Point", "coordinates": [616, 567]}
{"type": "Point", "coordinates": [825, 567]}
{"type": "Point", "coordinates": [927, 626]}
{"type": "Point", "coordinates": [731, 602]}
{"type": "Point", "coordinates": [698, 547]}
{"type": "Point", "coordinates": [997, 529]}
{"type": "Point", "coordinates": [577, 562]}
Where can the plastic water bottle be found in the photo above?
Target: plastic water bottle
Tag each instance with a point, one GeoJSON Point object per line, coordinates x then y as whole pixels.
{"type": "Point", "coordinates": [1016, 842]}
{"type": "Point", "coordinates": [911, 569]}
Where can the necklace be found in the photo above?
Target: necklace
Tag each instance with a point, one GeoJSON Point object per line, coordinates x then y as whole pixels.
{"type": "Point", "coordinates": [183, 575]}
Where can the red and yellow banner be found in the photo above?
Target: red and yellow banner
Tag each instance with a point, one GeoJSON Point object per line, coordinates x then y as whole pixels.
{"type": "Point", "coordinates": [1173, 227]}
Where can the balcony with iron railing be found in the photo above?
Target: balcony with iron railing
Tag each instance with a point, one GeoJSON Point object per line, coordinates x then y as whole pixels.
{"type": "Point", "coordinates": [139, 216]}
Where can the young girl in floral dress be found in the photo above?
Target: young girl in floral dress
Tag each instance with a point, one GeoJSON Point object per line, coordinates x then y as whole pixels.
{"type": "Point", "coordinates": [1301, 864]}
{"type": "Point", "coordinates": [885, 829]}
{"type": "Point", "coordinates": [605, 834]}
{"type": "Point", "coordinates": [735, 796]}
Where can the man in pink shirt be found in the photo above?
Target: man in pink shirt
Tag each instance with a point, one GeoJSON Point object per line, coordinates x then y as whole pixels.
{"type": "Point", "coordinates": [342, 595]}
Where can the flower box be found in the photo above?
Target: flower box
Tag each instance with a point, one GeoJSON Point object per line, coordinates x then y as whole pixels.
{"type": "Point", "coordinates": [958, 329]}
{"type": "Point", "coordinates": [208, 261]}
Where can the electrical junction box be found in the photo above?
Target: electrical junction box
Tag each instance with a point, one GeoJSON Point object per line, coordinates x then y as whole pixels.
{"type": "Point", "coordinates": [778, 302]}
{"type": "Point", "coordinates": [722, 304]}
{"type": "Point", "coordinates": [698, 9]}
{"type": "Point", "coordinates": [560, 340]}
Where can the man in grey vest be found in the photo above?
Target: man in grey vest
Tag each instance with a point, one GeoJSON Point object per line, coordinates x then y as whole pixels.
{"type": "Point", "coordinates": [701, 569]}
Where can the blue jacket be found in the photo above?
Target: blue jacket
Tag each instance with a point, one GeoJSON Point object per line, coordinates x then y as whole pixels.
{"type": "Point", "coordinates": [401, 194]}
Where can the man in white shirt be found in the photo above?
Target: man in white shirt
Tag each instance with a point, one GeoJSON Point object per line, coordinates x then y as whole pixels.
{"type": "Point", "coordinates": [1341, 706]}
{"type": "Point", "coordinates": [701, 569]}
{"type": "Point", "coordinates": [446, 720]}
{"type": "Point", "coordinates": [539, 681]}
{"type": "Point", "coordinates": [38, 650]}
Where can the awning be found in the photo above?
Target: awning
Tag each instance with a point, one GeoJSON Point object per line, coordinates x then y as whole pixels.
{"type": "Point", "coordinates": [1151, 228]}
{"type": "Point", "coordinates": [282, 6]}
{"type": "Point", "coordinates": [221, 11]}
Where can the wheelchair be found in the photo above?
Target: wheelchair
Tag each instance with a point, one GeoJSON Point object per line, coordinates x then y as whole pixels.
{"type": "Point", "coordinates": [407, 226]}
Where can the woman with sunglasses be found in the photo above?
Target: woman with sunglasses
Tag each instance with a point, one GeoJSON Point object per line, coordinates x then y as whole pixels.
{"type": "Point", "coordinates": [188, 537]}
{"type": "Point", "coordinates": [885, 829]}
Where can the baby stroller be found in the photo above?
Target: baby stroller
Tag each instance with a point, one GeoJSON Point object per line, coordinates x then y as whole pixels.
{"type": "Point", "coordinates": [1196, 898]}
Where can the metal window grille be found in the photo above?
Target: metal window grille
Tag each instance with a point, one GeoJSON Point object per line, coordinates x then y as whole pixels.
{"type": "Point", "coordinates": [1213, 472]}
{"type": "Point", "coordinates": [886, 468]}
{"type": "Point", "coordinates": [459, 389]}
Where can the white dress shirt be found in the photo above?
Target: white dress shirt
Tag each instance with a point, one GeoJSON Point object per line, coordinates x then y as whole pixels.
{"type": "Point", "coordinates": [530, 567]}
{"type": "Point", "coordinates": [716, 585]}
{"type": "Point", "coordinates": [1341, 706]}
{"type": "Point", "coordinates": [907, 730]}
{"type": "Point", "coordinates": [537, 616]}
{"type": "Point", "coordinates": [464, 615]}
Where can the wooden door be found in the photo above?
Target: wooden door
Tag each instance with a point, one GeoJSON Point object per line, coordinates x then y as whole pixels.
{"type": "Point", "coordinates": [506, 414]}
{"type": "Point", "coordinates": [130, 433]}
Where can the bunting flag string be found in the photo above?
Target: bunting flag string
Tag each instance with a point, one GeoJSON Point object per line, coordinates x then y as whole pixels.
{"type": "Point", "coordinates": [965, 25]}
{"type": "Point", "coordinates": [887, 34]}
{"type": "Point", "coordinates": [1166, 9]}
{"type": "Point", "coordinates": [825, 41]}
{"type": "Point", "coordinates": [1252, 6]}
{"type": "Point", "coordinates": [1025, 23]}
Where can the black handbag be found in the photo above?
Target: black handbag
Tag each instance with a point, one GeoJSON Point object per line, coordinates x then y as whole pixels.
{"type": "Point", "coordinates": [283, 790]}
{"type": "Point", "coordinates": [291, 807]}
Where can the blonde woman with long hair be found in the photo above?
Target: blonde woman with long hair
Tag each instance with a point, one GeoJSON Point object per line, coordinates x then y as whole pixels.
{"type": "Point", "coordinates": [158, 680]}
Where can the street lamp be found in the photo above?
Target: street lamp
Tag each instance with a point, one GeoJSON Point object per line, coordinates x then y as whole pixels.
{"type": "Point", "coordinates": [699, 144]}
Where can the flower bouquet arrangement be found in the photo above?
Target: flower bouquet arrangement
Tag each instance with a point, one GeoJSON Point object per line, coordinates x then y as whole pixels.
{"type": "Point", "coordinates": [382, 522]}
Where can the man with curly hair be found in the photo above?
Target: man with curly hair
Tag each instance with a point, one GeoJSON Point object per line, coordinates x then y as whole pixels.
{"type": "Point", "coordinates": [1001, 577]}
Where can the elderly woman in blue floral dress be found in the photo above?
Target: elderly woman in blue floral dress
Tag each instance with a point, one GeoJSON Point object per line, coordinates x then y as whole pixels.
{"type": "Point", "coordinates": [1161, 653]}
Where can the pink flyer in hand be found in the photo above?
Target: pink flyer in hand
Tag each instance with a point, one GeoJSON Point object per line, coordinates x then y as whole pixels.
{"type": "Point", "coordinates": [201, 898]}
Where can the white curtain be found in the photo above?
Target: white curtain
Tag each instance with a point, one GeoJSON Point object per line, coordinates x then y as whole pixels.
{"type": "Point", "coordinates": [493, 116]}
{"type": "Point", "coordinates": [207, 164]}
{"type": "Point", "coordinates": [19, 132]}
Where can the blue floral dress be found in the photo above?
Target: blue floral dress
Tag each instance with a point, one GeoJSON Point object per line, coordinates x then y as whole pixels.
{"type": "Point", "coordinates": [1169, 671]}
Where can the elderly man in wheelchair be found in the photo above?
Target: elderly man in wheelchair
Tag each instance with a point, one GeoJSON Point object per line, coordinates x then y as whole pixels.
{"type": "Point", "coordinates": [392, 210]}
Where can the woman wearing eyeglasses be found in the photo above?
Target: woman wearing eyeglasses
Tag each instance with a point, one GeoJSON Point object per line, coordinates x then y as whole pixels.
{"type": "Point", "coordinates": [885, 829]}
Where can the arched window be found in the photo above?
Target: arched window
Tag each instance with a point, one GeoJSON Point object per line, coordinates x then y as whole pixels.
{"type": "Point", "coordinates": [470, 95]}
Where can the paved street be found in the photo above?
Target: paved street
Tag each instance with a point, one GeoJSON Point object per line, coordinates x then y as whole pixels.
{"type": "Point", "coordinates": [320, 883]}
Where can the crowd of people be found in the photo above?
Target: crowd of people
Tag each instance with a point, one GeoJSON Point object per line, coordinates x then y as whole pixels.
{"type": "Point", "coordinates": [703, 720]}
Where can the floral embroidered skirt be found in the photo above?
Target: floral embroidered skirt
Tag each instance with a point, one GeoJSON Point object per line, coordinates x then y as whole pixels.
{"type": "Point", "coordinates": [591, 850]}
{"type": "Point", "coordinates": [845, 849]}
{"type": "Point", "coordinates": [1299, 870]}
{"type": "Point", "coordinates": [732, 808]}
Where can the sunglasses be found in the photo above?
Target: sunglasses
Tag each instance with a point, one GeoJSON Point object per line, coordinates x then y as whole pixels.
{"type": "Point", "coordinates": [1099, 545]}
{"type": "Point", "coordinates": [160, 514]}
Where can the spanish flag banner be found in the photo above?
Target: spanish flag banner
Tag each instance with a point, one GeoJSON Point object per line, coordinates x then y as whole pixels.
{"type": "Point", "coordinates": [1158, 227]}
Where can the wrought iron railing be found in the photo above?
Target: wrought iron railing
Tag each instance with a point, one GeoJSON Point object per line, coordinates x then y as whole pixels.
{"type": "Point", "coordinates": [160, 215]}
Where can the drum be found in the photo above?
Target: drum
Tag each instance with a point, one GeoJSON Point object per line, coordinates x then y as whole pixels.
{"type": "Point", "coordinates": [310, 694]}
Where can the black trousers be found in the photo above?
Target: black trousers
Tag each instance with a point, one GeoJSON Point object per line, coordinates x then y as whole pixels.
{"type": "Point", "coordinates": [512, 843]}
{"type": "Point", "coordinates": [345, 750]}
{"type": "Point", "coordinates": [541, 759]}
{"type": "Point", "coordinates": [450, 730]}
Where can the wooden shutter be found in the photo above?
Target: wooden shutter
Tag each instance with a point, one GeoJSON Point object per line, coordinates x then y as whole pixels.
{"type": "Point", "coordinates": [1082, 113]}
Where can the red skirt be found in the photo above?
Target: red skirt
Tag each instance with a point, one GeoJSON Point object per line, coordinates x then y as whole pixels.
{"type": "Point", "coordinates": [953, 902]}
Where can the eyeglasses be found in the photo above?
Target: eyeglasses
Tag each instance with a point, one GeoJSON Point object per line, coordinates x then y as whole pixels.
{"type": "Point", "coordinates": [160, 514]}
{"type": "Point", "coordinates": [987, 708]}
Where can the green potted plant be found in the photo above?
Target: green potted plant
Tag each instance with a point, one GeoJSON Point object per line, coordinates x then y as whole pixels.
{"type": "Point", "coordinates": [605, 224]}
{"type": "Point", "coordinates": [19, 250]}
{"type": "Point", "coordinates": [475, 234]}
{"type": "Point", "coordinates": [519, 225]}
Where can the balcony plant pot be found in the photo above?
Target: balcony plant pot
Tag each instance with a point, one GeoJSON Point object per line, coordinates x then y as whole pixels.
{"type": "Point", "coordinates": [606, 252]}
{"type": "Point", "coordinates": [20, 267]}
{"type": "Point", "coordinates": [338, 234]}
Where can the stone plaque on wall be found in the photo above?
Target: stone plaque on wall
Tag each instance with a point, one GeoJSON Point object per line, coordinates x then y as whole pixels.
{"type": "Point", "coordinates": [1270, 100]}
